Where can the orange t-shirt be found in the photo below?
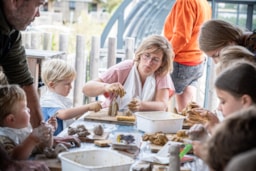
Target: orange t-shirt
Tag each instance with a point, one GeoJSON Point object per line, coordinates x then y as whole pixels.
{"type": "Point", "coordinates": [182, 27]}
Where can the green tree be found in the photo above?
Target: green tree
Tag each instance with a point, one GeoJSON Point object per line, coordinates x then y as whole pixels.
{"type": "Point", "coordinates": [109, 5]}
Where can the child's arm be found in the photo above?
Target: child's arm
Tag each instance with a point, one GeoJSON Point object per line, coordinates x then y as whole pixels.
{"type": "Point", "coordinates": [24, 150]}
{"type": "Point", "coordinates": [65, 114]}
{"type": "Point", "coordinates": [40, 134]}
{"type": "Point", "coordinates": [198, 132]}
{"type": "Point", "coordinates": [212, 118]}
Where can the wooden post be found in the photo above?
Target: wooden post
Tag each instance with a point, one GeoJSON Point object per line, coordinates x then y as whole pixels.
{"type": "Point", "coordinates": [111, 51]}
{"type": "Point", "coordinates": [129, 47]}
{"type": "Point", "coordinates": [26, 39]}
{"type": "Point", "coordinates": [63, 44]}
{"type": "Point", "coordinates": [94, 58]}
{"type": "Point", "coordinates": [47, 41]}
{"type": "Point", "coordinates": [81, 69]}
{"type": "Point", "coordinates": [94, 61]}
{"type": "Point", "coordinates": [35, 40]}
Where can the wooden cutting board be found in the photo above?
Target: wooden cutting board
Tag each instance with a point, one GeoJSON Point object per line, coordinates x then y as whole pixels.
{"type": "Point", "coordinates": [155, 148]}
{"type": "Point", "coordinates": [158, 167]}
{"type": "Point", "coordinates": [102, 116]}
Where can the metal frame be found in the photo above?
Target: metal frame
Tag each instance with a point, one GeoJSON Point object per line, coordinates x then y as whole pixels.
{"type": "Point", "coordinates": [147, 17]}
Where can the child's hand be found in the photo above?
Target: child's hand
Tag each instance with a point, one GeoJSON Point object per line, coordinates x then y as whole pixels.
{"type": "Point", "coordinates": [199, 149]}
{"type": "Point", "coordinates": [68, 141]}
{"type": "Point", "coordinates": [43, 133]}
{"type": "Point", "coordinates": [27, 165]}
{"type": "Point", "coordinates": [197, 132]}
{"type": "Point", "coordinates": [212, 117]}
{"type": "Point", "coordinates": [95, 106]}
{"type": "Point", "coordinates": [53, 122]}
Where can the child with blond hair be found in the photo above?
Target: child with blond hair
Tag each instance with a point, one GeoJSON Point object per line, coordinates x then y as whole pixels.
{"type": "Point", "coordinates": [58, 77]}
{"type": "Point", "coordinates": [16, 134]}
{"type": "Point", "coordinates": [233, 54]}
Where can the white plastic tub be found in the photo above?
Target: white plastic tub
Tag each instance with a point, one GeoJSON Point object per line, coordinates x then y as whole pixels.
{"type": "Point", "coordinates": [159, 121]}
{"type": "Point", "coordinates": [95, 160]}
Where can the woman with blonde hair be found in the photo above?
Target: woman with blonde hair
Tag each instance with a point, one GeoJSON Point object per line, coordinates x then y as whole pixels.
{"type": "Point", "coordinates": [145, 79]}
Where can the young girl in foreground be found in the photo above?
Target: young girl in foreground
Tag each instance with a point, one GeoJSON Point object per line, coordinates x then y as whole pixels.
{"type": "Point", "coordinates": [235, 88]}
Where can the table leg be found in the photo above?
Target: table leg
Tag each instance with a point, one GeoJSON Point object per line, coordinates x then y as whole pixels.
{"type": "Point", "coordinates": [34, 69]}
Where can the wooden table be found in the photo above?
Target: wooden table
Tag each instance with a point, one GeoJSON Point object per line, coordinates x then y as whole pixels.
{"type": "Point", "coordinates": [35, 58]}
{"type": "Point", "coordinates": [112, 128]}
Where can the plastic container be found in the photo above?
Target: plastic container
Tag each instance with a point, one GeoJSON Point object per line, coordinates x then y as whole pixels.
{"type": "Point", "coordinates": [159, 121]}
{"type": "Point", "coordinates": [95, 160]}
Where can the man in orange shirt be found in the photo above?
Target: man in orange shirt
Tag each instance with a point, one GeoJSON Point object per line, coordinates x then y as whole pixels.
{"type": "Point", "coordinates": [181, 28]}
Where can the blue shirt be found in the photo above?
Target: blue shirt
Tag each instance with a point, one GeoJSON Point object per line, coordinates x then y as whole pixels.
{"type": "Point", "coordinates": [49, 112]}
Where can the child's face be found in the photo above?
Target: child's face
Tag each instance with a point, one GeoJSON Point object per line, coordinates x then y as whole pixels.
{"type": "Point", "coordinates": [228, 103]}
{"type": "Point", "coordinates": [214, 54]}
{"type": "Point", "coordinates": [63, 87]}
{"type": "Point", "coordinates": [21, 115]}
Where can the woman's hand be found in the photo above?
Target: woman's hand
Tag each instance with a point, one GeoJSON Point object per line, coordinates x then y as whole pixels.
{"type": "Point", "coordinates": [115, 88]}
{"type": "Point", "coordinates": [135, 104]}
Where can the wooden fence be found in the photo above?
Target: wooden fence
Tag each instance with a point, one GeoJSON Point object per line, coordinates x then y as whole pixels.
{"type": "Point", "coordinates": [87, 67]}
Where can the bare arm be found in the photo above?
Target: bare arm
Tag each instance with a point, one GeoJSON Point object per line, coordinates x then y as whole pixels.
{"type": "Point", "coordinates": [10, 165]}
{"type": "Point", "coordinates": [94, 88]}
{"type": "Point", "coordinates": [97, 87]}
{"type": "Point", "coordinates": [65, 114]}
{"type": "Point", "coordinates": [33, 104]}
{"type": "Point", "coordinates": [160, 103]}
{"type": "Point", "coordinates": [40, 135]}
{"type": "Point", "coordinates": [24, 150]}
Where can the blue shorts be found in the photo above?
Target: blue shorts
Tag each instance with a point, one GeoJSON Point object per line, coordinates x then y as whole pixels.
{"type": "Point", "coordinates": [184, 75]}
